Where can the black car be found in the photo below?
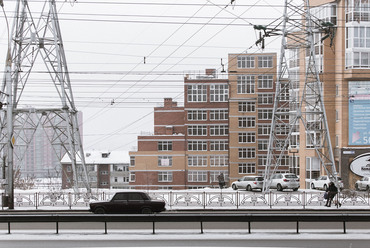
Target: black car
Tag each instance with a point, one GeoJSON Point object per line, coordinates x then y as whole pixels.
{"type": "Point", "coordinates": [128, 202]}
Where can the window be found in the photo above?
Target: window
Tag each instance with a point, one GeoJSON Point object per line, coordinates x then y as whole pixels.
{"type": "Point", "coordinates": [165, 176]}
{"type": "Point", "coordinates": [265, 82]}
{"type": "Point", "coordinates": [218, 114]}
{"type": "Point", "coordinates": [219, 145]}
{"type": "Point", "coordinates": [116, 179]}
{"type": "Point", "coordinates": [247, 137]}
{"type": "Point", "coordinates": [197, 130]}
{"type": "Point", "coordinates": [197, 176]}
{"type": "Point", "coordinates": [132, 176]}
{"type": "Point", "coordinates": [245, 61]}
{"type": "Point", "coordinates": [69, 168]}
{"type": "Point", "coordinates": [247, 152]}
{"type": "Point", "coordinates": [197, 93]}
{"type": "Point", "coordinates": [197, 115]}
{"type": "Point", "coordinates": [197, 145]}
{"type": "Point", "coordinates": [262, 160]}
{"type": "Point", "coordinates": [104, 183]}
{"type": "Point", "coordinates": [246, 84]}
{"type": "Point", "coordinates": [264, 129]}
{"type": "Point", "coordinates": [219, 130]}
{"type": "Point", "coordinates": [265, 114]}
{"type": "Point", "coordinates": [265, 99]}
{"type": "Point", "coordinates": [132, 161]}
{"type": "Point", "coordinates": [265, 61]}
{"type": "Point", "coordinates": [164, 161]}
{"type": "Point", "coordinates": [336, 115]}
{"type": "Point", "coordinates": [247, 106]}
{"type": "Point", "coordinates": [312, 167]}
{"type": "Point", "coordinates": [164, 145]}
{"type": "Point", "coordinates": [219, 160]}
{"type": "Point", "coordinates": [197, 161]}
{"type": "Point", "coordinates": [247, 168]}
{"type": "Point", "coordinates": [263, 145]}
{"type": "Point", "coordinates": [104, 172]}
{"type": "Point", "coordinates": [219, 92]}
{"type": "Point", "coordinates": [247, 122]}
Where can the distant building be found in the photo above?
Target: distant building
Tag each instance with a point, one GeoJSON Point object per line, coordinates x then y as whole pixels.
{"type": "Point", "coordinates": [105, 170]}
{"type": "Point", "coordinates": [189, 147]}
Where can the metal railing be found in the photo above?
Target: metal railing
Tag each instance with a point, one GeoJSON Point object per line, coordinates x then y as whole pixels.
{"type": "Point", "coordinates": [194, 199]}
{"type": "Point", "coordinates": [182, 218]}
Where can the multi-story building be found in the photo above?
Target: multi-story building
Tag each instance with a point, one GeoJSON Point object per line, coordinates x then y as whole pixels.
{"type": "Point", "coordinates": [105, 170]}
{"type": "Point", "coordinates": [344, 64]}
{"type": "Point", "coordinates": [189, 148]}
{"type": "Point", "coordinates": [252, 86]}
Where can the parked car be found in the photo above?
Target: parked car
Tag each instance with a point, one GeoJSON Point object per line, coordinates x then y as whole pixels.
{"type": "Point", "coordinates": [363, 184]}
{"type": "Point", "coordinates": [128, 202]}
{"type": "Point", "coordinates": [282, 181]}
{"type": "Point", "coordinates": [249, 183]}
{"type": "Point", "coordinates": [322, 182]}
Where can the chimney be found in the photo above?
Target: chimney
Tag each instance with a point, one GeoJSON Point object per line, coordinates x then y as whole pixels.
{"type": "Point", "coordinates": [169, 130]}
{"type": "Point", "coordinates": [169, 103]}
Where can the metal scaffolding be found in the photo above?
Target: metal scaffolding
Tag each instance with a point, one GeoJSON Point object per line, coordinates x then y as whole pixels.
{"type": "Point", "coordinates": [38, 39]}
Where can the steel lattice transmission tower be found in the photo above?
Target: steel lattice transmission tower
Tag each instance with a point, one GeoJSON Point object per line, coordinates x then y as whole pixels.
{"type": "Point", "coordinates": [36, 43]}
{"type": "Point", "coordinates": [297, 103]}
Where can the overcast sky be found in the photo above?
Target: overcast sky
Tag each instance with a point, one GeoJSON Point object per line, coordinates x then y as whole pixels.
{"type": "Point", "coordinates": [107, 42]}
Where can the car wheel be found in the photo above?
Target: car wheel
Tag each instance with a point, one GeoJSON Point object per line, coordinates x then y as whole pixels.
{"type": "Point", "coordinates": [312, 186]}
{"type": "Point", "coordinates": [325, 187]}
{"type": "Point", "coordinates": [279, 188]}
{"type": "Point", "coordinates": [146, 211]}
{"type": "Point", "coordinates": [367, 188]}
{"type": "Point", "coordinates": [249, 188]}
{"type": "Point", "coordinates": [295, 189]}
{"type": "Point", "coordinates": [356, 187]}
{"type": "Point", "coordinates": [99, 211]}
{"type": "Point", "coordinates": [234, 187]}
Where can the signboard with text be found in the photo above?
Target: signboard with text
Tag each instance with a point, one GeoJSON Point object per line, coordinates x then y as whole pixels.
{"type": "Point", "coordinates": [359, 113]}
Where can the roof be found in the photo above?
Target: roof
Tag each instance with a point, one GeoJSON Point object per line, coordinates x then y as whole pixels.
{"type": "Point", "coordinates": [102, 157]}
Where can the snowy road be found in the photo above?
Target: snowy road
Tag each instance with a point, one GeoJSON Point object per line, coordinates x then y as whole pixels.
{"type": "Point", "coordinates": [168, 238]}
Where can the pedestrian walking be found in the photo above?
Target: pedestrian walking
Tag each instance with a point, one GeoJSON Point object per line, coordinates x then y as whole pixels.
{"type": "Point", "coordinates": [332, 192]}
{"type": "Point", "coordinates": [221, 180]}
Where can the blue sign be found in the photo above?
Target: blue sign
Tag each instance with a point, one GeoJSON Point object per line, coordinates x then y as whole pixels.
{"type": "Point", "coordinates": [359, 113]}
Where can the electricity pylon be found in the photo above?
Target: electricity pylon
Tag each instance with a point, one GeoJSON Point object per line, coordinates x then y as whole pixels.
{"type": "Point", "coordinates": [296, 103]}
{"type": "Point", "coordinates": [38, 39]}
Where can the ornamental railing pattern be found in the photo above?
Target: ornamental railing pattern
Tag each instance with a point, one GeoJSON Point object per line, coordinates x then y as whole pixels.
{"type": "Point", "coordinates": [195, 199]}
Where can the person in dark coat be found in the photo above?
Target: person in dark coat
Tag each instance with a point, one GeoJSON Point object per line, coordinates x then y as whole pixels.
{"type": "Point", "coordinates": [221, 180]}
{"type": "Point", "coordinates": [332, 192]}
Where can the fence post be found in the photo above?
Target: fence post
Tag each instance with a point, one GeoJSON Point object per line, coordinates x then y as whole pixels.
{"type": "Point", "coordinates": [36, 200]}
{"type": "Point", "coordinates": [70, 200]}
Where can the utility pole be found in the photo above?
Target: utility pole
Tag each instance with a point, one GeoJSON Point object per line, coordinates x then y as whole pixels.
{"type": "Point", "coordinates": [38, 38]}
{"type": "Point", "coordinates": [294, 103]}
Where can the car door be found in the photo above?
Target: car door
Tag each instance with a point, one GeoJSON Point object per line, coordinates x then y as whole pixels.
{"type": "Point", "coordinates": [118, 204]}
{"type": "Point", "coordinates": [135, 202]}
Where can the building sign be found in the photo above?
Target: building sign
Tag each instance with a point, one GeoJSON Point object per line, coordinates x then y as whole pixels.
{"type": "Point", "coordinates": [361, 165]}
{"type": "Point", "coordinates": [359, 113]}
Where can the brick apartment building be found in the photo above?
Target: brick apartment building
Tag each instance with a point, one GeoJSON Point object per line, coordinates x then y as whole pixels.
{"type": "Point", "coordinates": [252, 80]}
{"type": "Point", "coordinates": [189, 148]}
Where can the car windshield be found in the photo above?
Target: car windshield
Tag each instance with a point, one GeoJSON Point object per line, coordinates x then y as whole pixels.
{"type": "Point", "coordinates": [291, 176]}
{"type": "Point", "coordinates": [258, 179]}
